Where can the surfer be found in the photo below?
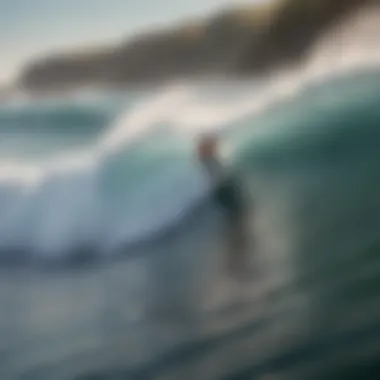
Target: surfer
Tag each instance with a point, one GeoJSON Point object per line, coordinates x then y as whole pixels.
{"type": "Point", "coordinates": [227, 195]}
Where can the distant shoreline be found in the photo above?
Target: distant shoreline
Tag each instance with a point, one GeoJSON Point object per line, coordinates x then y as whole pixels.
{"type": "Point", "coordinates": [235, 43]}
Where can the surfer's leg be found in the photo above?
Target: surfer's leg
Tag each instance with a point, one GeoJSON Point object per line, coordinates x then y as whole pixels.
{"type": "Point", "coordinates": [237, 245]}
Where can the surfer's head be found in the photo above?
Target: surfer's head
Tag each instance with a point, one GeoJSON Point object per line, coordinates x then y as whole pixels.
{"type": "Point", "coordinates": [207, 146]}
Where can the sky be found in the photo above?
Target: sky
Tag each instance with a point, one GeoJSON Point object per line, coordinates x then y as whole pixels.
{"type": "Point", "coordinates": [31, 28]}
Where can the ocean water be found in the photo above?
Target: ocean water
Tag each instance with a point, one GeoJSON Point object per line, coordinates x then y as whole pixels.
{"type": "Point", "coordinates": [112, 255]}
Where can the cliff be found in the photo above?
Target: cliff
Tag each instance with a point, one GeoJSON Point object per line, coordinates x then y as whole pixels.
{"type": "Point", "coordinates": [242, 40]}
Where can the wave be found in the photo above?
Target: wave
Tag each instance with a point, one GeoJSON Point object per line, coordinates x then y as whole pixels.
{"type": "Point", "coordinates": [138, 177]}
{"type": "Point", "coordinates": [327, 120]}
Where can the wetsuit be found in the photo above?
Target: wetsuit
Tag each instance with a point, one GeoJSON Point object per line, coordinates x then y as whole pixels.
{"type": "Point", "coordinates": [227, 195]}
{"type": "Point", "coordinates": [226, 191]}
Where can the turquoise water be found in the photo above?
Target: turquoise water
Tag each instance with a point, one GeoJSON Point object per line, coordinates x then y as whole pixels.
{"type": "Point", "coordinates": [112, 257]}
